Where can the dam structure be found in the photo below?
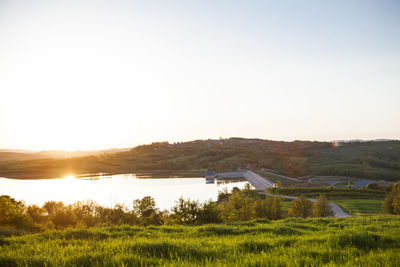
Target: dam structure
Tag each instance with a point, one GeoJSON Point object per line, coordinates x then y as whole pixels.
{"type": "Point", "coordinates": [257, 181]}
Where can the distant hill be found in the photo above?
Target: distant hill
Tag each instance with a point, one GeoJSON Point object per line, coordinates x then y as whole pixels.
{"type": "Point", "coordinates": [57, 154]}
{"type": "Point", "coordinates": [23, 151]}
{"type": "Point", "coordinates": [15, 156]}
{"type": "Point", "coordinates": [19, 154]}
{"type": "Point", "coordinates": [366, 159]}
{"type": "Point", "coordinates": [361, 140]}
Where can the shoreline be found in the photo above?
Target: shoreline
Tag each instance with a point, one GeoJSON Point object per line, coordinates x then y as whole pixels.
{"type": "Point", "coordinates": [139, 174]}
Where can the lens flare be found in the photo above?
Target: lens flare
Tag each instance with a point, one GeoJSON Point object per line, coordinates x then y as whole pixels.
{"type": "Point", "coordinates": [335, 144]}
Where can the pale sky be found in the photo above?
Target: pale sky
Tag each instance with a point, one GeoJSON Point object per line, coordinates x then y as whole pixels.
{"type": "Point", "coordinates": [101, 74]}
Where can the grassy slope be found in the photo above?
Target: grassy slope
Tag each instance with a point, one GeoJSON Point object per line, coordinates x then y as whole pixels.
{"type": "Point", "coordinates": [369, 241]}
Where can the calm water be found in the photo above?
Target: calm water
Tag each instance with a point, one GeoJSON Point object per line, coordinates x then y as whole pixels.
{"type": "Point", "coordinates": [110, 190]}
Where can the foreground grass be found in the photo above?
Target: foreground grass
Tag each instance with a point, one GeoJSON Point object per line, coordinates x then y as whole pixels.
{"type": "Point", "coordinates": [363, 241]}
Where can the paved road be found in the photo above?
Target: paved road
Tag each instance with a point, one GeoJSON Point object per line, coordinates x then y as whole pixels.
{"type": "Point", "coordinates": [257, 181]}
{"type": "Point", "coordinates": [337, 210]}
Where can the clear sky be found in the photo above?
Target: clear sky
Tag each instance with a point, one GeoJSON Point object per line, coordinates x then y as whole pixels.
{"type": "Point", "coordinates": [98, 74]}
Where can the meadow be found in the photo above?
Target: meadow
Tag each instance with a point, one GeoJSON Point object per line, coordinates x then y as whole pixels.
{"type": "Point", "coordinates": [360, 206]}
{"type": "Point", "coordinates": [355, 241]}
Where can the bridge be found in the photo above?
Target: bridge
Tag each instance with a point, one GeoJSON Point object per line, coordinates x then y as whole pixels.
{"type": "Point", "coordinates": [257, 181]}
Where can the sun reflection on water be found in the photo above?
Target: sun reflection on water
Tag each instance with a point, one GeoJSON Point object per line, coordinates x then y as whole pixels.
{"type": "Point", "coordinates": [111, 189]}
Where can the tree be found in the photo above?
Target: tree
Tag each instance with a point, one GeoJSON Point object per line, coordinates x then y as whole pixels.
{"type": "Point", "coordinates": [185, 211]}
{"type": "Point", "coordinates": [263, 208]}
{"type": "Point", "coordinates": [37, 214]}
{"type": "Point", "coordinates": [86, 212]}
{"type": "Point", "coordinates": [300, 207]}
{"type": "Point", "coordinates": [209, 213]}
{"type": "Point", "coordinates": [276, 212]}
{"type": "Point", "coordinates": [64, 217]}
{"type": "Point", "coordinates": [53, 207]}
{"type": "Point", "coordinates": [392, 200]}
{"type": "Point", "coordinates": [12, 212]}
{"type": "Point", "coordinates": [146, 207]}
{"type": "Point", "coordinates": [147, 211]}
{"type": "Point", "coordinates": [396, 201]}
{"type": "Point", "coordinates": [321, 207]}
{"type": "Point", "coordinates": [230, 208]}
{"type": "Point", "coordinates": [387, 203]}
{"type": "Point", "coordinates": [223, 195]}
{"type": "Point", "coordinates": [239, 207]}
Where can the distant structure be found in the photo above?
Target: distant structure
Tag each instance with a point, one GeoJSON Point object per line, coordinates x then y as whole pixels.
{"type": "Point", "coordinates": [210, 177]}
{"type": "Point", "coordinates": [257, 181]}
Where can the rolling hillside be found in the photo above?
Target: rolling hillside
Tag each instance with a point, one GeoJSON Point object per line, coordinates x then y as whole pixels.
{"type": "Point", "coordinates": [373, 159]}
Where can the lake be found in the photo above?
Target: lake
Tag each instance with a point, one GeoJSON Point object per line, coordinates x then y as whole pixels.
{"type": "Point", "coordinates": [113, 189]}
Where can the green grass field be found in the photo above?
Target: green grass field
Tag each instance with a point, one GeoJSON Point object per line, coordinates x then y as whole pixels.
{"type": "Point", "coordinates": [276, 178]}
{"type": "Point", "coordinates": [362, 241]}
{"type": "Point", "coordinates": [362, 206]}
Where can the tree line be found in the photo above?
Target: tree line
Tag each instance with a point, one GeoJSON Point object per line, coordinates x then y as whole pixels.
{"type": "Point", "coordinates": [237, 205]}
{"type": "Point", "coordinates": [303, 207]}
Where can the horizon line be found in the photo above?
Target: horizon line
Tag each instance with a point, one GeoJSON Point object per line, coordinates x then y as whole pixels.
{"type": "Point", "coordinates": [23, 150]}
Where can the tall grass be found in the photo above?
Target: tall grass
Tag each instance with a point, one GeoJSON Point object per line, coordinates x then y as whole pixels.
{"type": "Point", "coordinates": [362, 241]}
